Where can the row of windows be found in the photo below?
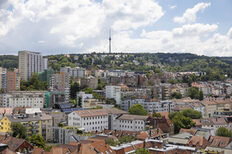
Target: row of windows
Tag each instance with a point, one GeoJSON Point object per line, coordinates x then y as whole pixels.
{"type": "Point", "coordinates": [125, 126]}
{"type": "Point", "coordinates": [96, 117]}
{"type": "Point", "coordinates": [99, 122]}
{"type": "Point", "coordinates": [126, 121]}
{"type": "Point", "coordinates": [6, 123]}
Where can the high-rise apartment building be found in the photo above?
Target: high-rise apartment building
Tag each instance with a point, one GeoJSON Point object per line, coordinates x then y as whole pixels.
{"type": "Point", "coordinates": [29, 63]}
{"type": "Point", "coordinates": [60, 83]}
{"type": "Point", "coordinates": [9, 81]}
{"type": "Point", "coordinates": [114, 92]}
{"type": "Point", "coordinates": [3, 78]}
{"type": "Point", "coordinates": [12, 81]}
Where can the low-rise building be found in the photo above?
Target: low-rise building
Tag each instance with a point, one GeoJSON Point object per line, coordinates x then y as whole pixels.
{"type": "Point", "coordinates": [131, 122]}
{"type": "Point", "coordinates": [90, 120]}
{"type": "Point", "coordinates": [33, 99]}
{"type": "Point", "coordinates": [95, 119]}
{"type": "Point", "coordinates": [114, 92]}
{"type": "Point", "coordinates": [149, 106]}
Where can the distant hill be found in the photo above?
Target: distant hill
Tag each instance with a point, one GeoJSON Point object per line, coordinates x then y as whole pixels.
{"type": "Point", "coordinates": [136, 62]}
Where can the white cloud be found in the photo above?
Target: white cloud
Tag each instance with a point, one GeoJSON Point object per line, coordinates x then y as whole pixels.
{"type": "Point", "coordinates": [172, 7]}
{"type": "Point", "coordinates": [60, 26]}
{"type": "Point", "coordinates": [194, 29]}
{"type": "Point", "coordinates": [190, 15]}
{"type": "Point", "coordinates": [70, 24]}
{"type": "Point", "coordinates": [230, 33]}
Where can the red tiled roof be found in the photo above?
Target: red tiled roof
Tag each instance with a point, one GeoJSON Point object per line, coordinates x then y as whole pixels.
{"type": "Point", "coordinates": [219, 141]}
{"type": "Point", "coordinates": [198, 141]}
{"type": "Point", "coordinates": [191, 131]}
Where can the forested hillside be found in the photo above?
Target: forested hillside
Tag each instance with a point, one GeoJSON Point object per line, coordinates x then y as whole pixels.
{"type": "Point", "coordinates": [136, 62]}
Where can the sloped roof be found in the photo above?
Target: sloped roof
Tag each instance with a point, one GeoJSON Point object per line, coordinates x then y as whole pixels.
{"type": "Point", "coordinates": [219, 141]}
{"type": "Point", "coordinates": [198, 141]}
{"type": "Point", "coordinates": [12, 142]}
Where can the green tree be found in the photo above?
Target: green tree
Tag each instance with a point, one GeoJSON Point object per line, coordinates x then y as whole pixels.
{"type": "Point", "coordinates": [222, 131]}
{"type": "Point", "coordinates": [37, 140]}
{"type": "Point", "coordinates": [141, 151]}
{"type": "Point", "coordinates": [126, 139]}
{"type": "Point", "coordinates": [33, 84]}
{"type": "Point", "coordinates": [111, 142]}
{"type": "Point", "coordinates": [193, 93]}
{"type": "Point", "coordinates": [18, 130]}
{"type": "Point", "coordinates": [176, 95]}
{"type": "Point", "coordinates": [201, 95]}
{"type": "Point", "coordinates": [192, 113]}
{"type": "Point", "coordinates": [180, 121]}
{"type": "Point", "coordinates": [137, 109]}
{"type": "Point", "coordinates": [74, 89]}
{"type": "Point", "coordinates": [156, 114]}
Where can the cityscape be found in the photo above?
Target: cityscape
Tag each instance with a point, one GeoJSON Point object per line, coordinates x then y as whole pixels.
{"type": "Point", "coordinates": [96, 94]}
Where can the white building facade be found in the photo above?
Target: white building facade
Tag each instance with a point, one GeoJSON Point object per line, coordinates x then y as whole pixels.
{"type": "Point", "coordinates": [32, 99]}
{"type": "Point", "coordinates": [90, 120]}
{"type": "Point", "coordinates": [114, 92]}
{"type": "Point", "coordinates": [74, 72]}
{"type": "Point", "coordinates": [131, 122]}
{"type": "Point", "coordinates": [29, 63]}
{"type": "Point", "coordinates": [162, 106]}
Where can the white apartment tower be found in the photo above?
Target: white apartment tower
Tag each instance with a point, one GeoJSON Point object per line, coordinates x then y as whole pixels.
{"type": "Point", "coordinates": [114, 92]}
{"type": "Point", "coordinates": [29, 63]}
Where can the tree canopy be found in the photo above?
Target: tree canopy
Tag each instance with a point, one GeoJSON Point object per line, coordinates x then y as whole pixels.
{"type": "Point", "coordinates": [74, 88]}
{"type": "Point", "coordinates": [176, 95]}
{"type": "Point", "coordinates": [37, 140]}
{"type": "Point", "coordinates": [181, 121]}
{"type": "Point", "coordinates": [141, 151]}
{"type": "Point", "coordinates": [191, 113]}
{"type": "Point", "coordinates": [18, 130]}
{"type": "Point", "coordinates": [222, 131]}
{"type": "Point", "coordinates": [137, 109]}
{"type": "Point", "coordinates": [33, 84]}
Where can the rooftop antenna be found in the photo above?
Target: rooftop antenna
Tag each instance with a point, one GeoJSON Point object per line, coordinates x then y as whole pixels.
{"type": "Point", "coordinates": [110, 41]}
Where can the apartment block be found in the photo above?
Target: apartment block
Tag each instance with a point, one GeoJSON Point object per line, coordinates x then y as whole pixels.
{"type": "Point", "coordinates": [149, 106]}
{"type": "Point", "coordinates": [33, 99]}
{"type": "Point", "coordinates": [131, 122]}
{"type": "Point", "coordinates": [60, 83]}
{"type": "Point", "coordinates": [29, 63]}
{"type": "Point", "coordinates": [74, 72]}
{"type": "Point", "coordinates": [114, 92]}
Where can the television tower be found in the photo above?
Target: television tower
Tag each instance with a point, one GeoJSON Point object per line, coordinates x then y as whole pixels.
{"type": "Point", "coordinates": [110, 41]}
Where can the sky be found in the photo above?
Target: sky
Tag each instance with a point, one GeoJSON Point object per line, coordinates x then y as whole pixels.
{"type": "Point", "coordinates": [202, 27]}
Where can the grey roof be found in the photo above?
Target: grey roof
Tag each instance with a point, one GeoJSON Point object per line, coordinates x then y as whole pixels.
{"type": "Point", "coordinates": [132, 117]}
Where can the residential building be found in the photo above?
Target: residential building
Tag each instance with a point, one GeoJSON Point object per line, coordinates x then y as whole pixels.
{"type": "Point", "coordinates": [74, 72]}
{"type": "Point", "coordinates": [3, 72]}
{"type": "Point", "coordinates": [149, 106]}
{"type": "Point", "coordinates": [65, 135]}
{"type": "Point", "coordinates": [33, 99]}
{"type": "Point", "coordinates": [114, 92]}
{"type": "Point", "coordinates": [90, 120]}
{"type": "Point", "coordinates": [60, 83]}
{"type": "Point", "coordinates": [81, 96]}
{"type": "Point", "coordinates": [89, 81]}
{"type": "Point", "coordinates": [90, 103]}
{"type": "Point", "coordinates": [5, 125]}
{"type": "Point", "coordinates": [34, 123]}
{"type": "Point", "coordinates": [210, 107]}
{"type": "Point", "coordinates": [46, 124]}
{"type": "Point", "coordinates": [16, 145]}
{"type": "Point", "coordinates": [29, 63]}
{"type": "Point", "coordinates": [95, 119]}
{"type": "Point", "coordinates": [131, 122]}
{"type": "Point", "coordinates": [12, 81]}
